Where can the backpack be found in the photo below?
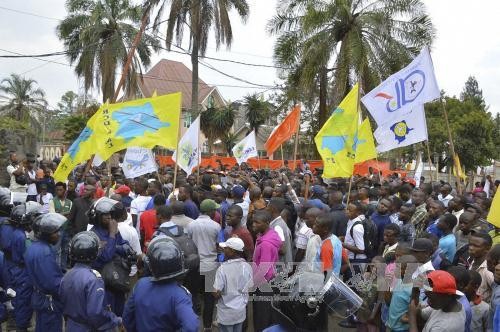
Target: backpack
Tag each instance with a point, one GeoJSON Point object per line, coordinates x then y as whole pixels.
{"type": "Point", "coordinates": [370, 236]}
{"type": "Point", "coordinates": [187, 245]}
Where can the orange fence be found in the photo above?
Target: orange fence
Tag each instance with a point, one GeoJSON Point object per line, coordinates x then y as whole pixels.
{"type": "Point", "coordinates": [360, 169]}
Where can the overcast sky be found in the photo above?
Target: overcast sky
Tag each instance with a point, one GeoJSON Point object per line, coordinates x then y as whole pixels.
{"type": "Point", "coordinates": [468, 43]}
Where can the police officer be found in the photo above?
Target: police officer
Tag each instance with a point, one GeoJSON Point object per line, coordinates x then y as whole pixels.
{"type": "Point", "coordinates": [6, 230]}
{"type": "Point", "coordinates": [111, 244]}
{"type": "Point", "coordinates": [160, 303]}
{"type": "Point", "coordinates": [45, 273]}
{"type": "Point", "coordinates": [20, 280]}
{"type": "Point", "coordinates": [82, 289]}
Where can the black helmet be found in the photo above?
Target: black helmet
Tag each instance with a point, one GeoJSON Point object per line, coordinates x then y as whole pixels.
{"type": "Point", "coordinates": [46, 224]}
{"type": "Point", "coordinates": [165, 259]}
{"type": "Point", "coordinates": [20, 217]}
{"type": "Point", "coordinates": [84, 247]}
{"type": "Point", "coordinates": [5, 202]}
{"type": "Point", "coordinates": [102, 206]}
{"type": "Point", "coordinates": [118, 211]}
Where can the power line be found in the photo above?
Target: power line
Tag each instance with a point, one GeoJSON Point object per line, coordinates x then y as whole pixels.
{"type": "Point", "coordinates": [28, 13]}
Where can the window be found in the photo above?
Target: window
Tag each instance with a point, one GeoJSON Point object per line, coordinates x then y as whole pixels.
{"type": "Point", "coordinates": [210, 102]}
{"type": "Point", "coordinates": [187, 119]}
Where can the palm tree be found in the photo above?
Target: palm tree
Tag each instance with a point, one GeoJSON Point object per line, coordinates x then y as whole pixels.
{"type": "Point", "coordinates": [229, 141]}
{"type": "Point", "coordinates": [215, 123]}
{"type": "Point", "coordinates": [201, 17]}
{"type": "Point", "coordinates": [23, 99]}
{"type": "Point", "coordinates": [357, 40]}
{"type": "Point", "coordinates": [97, 35]}
{"type": "Point", "coordinates": [257, 111]}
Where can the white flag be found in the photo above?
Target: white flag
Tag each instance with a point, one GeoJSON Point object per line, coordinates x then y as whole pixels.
{"type": "Point", "coordinates": [419, 169]}
{"type": "Point", "coordinates": [245, 149]}
{"type": "Point", "coordinates": [413, 85]}
{"type": "Point", "coordinates": [137, 162]}
{"type": "Point", "coordinates": [97, 161]}
{"type": "Point", "coordinates": [189, 155]}
{"type": "Point", "coordinates": [407, 129]}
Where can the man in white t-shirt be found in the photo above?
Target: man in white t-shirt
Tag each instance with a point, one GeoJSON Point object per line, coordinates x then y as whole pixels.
{"type": "Point", "coordinates": [14, 169]}
{"type": "Point", "coordinates": [31, 178]}
{"type": "Point", "coordinates": [305, 233]}
{"type": "Point", "coordinates": [139, 204]}
{"type": "Point", "coordinates": [355, 243]}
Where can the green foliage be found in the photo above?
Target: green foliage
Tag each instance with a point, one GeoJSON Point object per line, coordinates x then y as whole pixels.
{"type": "Point", "coordinates": [334, 44]}
{"type": "Point", "coordinates": [473, 131]}
{"type": "Point", "coordinates": [472, 93]}
{"type": "Point", "coordinates": [24, 100]}
{"type": "Point", "coordinates": [97, 35]}
{"type": "Point", "coordinates": [73, 126]}
{"type": "Point", "coordinates": [258, 111]}
{"type": "Point", "coordinates": [229, 140]}
{"type": "Point", "coordinates": [215, 123]}
{"type": "Point", "coordinates": [68, 103]}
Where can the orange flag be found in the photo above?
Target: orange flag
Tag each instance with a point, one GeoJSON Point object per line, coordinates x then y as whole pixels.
{"type": "Point", "coordinates": [284, 131]}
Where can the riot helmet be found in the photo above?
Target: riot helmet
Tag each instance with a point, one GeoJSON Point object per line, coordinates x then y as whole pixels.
{"type": "Point", "coordinates": [20, 217]}
{"type": "Point", "coordinates": [5, 202]}
{"type": "Point", "coordinates": [84, 247]}
{"type": "Point", "coordinates": [165, 259]}
{"type": "Point", "coordinates": [47, 224]}
{"type": "Point", "coordinates": [100, 207]}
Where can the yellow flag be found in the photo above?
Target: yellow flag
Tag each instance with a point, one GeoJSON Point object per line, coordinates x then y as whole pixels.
{"type": "Point", "coordinates": [365, 146]}
{"type": "Point", "coordinates": [143, 122]}
{"type": "Point", "coordinates": [494, 215]}
{"type": "Point", "coordinates": [335, 140]}
{"type": "Point", "coordinates": [458, 172]}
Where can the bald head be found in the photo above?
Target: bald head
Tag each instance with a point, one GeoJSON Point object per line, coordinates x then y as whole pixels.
{"type": "Point", "coordinates": [335, 198]}
{"type": "Point", "coordinates": [311, 215]}
{"type": "Point", "coordinates": [255, 193]}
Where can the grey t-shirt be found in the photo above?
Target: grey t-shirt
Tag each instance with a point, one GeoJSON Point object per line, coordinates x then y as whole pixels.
{"type": "Point", "coordinates": [440, 321]}
{"type": "Point", "coordinates": [204, 233]}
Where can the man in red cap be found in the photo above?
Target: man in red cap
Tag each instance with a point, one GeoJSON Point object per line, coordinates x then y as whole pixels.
{"type": "Point", "coordinates": [444, 311]}
{"type": "Point", "coordinates": [124, 192]}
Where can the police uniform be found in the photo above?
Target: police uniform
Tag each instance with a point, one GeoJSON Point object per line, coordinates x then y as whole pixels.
{"type": "Point", "coordinates": [6, 231]}
{"type": "Point", "coordinates": [82, 294]}
{"type": "Point", "coordinates": [159, 306]}
{"type": "Point", "coordinates": [46, 276]}
{"type": "Point", "coordinates": [20, 280]}
{"type": "Point", "coordinates": [111, 247]}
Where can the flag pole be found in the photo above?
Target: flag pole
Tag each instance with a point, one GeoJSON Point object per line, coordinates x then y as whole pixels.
{"type": "Point", "coordinates": [282, 159]}
{"type": "Point", "coordinates": [452, 146]}
{"type": "Point", "coordinates": [429, 159]}
{"type": "Point", "coordinates": [296, 144]}
{"type": "Point", "coordinates": [177, 149]}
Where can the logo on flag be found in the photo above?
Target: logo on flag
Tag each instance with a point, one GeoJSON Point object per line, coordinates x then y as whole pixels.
{"type": "Point", "coordinates": [405, 90]}
{"type": "Point", "coordinates": [188, 156]}
{"type": "Point", "coordinates": [137, 162]}
{"type": "Point", "coordinates": [400, 130]}
{"type": "Point", "coordinates": [245, 149]}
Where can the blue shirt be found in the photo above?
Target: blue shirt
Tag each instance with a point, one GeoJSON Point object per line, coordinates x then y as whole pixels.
{"type": "Point", "coordinates": [191, 210]}
{"type": "Point", "coordinates": [448, 246]}
{"type": "Point", "coordinates": [400, 302]}
{"type": "Point", "coordinates": [380, 221]}
{"type": "Point", "coordinates": [159, 306]}
{"type": "Point", "coordinates": [433, 229]}
{"type": "Point", "coordinates": [468, 311]}
{"type": "Point", "coordinates": [82, 295]}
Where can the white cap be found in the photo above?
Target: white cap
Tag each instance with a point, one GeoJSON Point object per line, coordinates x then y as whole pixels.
{"type": "Point", "coordinates": [234, 243]}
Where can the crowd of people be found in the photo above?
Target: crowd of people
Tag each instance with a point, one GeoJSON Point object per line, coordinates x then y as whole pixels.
{"type": "Point", "coordinates": [100, 252]}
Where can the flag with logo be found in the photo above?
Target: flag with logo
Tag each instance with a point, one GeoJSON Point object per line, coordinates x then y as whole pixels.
{"type": "Point", "coordinates": [138, 161]}
{"type": "Point", "coordinates": [284, 131]}
{"type": "Point", "coordinates": [364, 144]}
{"type": "Point", "coordinates": [143, 122]}
{"type": "Point", "coordinates": [245, 149]}
{"type": "Point", "coordinates": [188, 155]}
{"type": "Point", "coordinates": [403, 91]}
{"type": "Point", "coordinates": [406, 129]}
{"type": "Point", "coordinates": [335, 140]}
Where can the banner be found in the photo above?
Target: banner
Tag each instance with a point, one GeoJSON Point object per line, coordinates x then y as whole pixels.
{"type": "Point", "coordinates": [494, 214]}
{"type": "Point", "coordinates": [406, 129]}
{"type": "Point", "coordinates": [245, 149]}
{"type": "Point", "coordinates": [405, 90]}
{"type": "Point", "coordinates": [459, 172]}
{"type": "Point", "coordinates": [284, 131]}
{"type": "Point", "coordinates": [335, 141]}
{"type": "Point", "coordinates": [138, 161]}
{"type": "Point", "coordinates": [189, 154]}
{"type": "Point", "coordinates": [143, 122]}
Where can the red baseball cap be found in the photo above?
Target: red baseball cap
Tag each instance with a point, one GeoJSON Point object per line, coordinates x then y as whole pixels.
{"type": "Point", "coordinates": [410, 181]}
{"type": "Point", "coordinates": [122, 190]}
{"type": "Point", "coordinates": [442, 283]}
